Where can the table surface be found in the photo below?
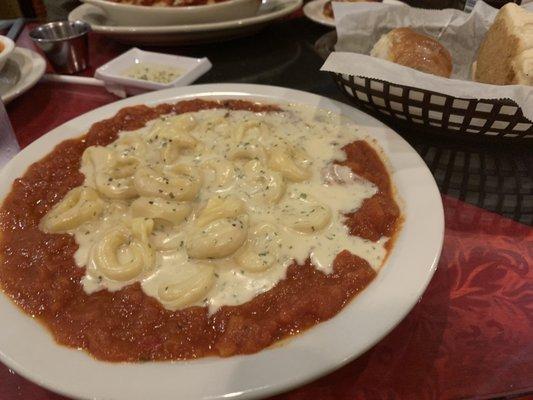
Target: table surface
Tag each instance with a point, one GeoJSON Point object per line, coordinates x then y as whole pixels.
{"type": "Point", "coordinates": [471, 334]}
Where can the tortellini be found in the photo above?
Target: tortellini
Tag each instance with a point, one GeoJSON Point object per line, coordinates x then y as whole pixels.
{"type": "Point", "coordinates": [217, 240]}
{"type": "Point", "coordinates": [305, 215]}
{"type": "Point", "coordinates": [247, 151]}
{"type": "Point", "coordinates": [176, 182]}
{"type": "Point", "coordinates": [189, 286]}
{"type": "Point", "coordinates": [113, 173]}
{"type": "Point", "coordinates": [80, 205]}
{"type": "Point", "coordinates": [223, 174]}
{"type": "Point", "coordinates": [220, 207]}
{"type": "Point", "coordinates": [252, 130]}
{"type": "Point", "coordinates": [261, 249]}
{"type": "Point", "coordinates": [173, 135]}
{"type": "Point", "coordinates": [158, 208]}
{"type": "Point", "coordinates": [291, 162]}
{"type": "Point", "coordinates": [172, 126]}
{"type": "Point", "coordinates": [172, 148]}
{"type": "Point", "coordinates": [130, 145]}
{"type": "Point", "coordinates": [219, 230]}
{"type": "Point", "coordinates": [167, 236]}
{"type": "Point", "coordinates": [123, 253]}
{"type": "Point", "coordinates": [141, 228]}
{"type": "Point", "coordinates": [266, 185]}
{"type": "Point", "coordinates": [218, 124]}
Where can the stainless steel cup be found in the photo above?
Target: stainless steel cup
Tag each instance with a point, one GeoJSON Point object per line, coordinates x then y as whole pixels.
{"type": "Point", "coordinates": [65, 44]}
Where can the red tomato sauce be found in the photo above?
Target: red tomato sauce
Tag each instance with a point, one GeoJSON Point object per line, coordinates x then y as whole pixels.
{"type": "Point", "coordinates": [38, 271]}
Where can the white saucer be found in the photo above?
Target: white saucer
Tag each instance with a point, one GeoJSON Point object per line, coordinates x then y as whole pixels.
{"type": "Point", "coordinates": [22, 71]}
{"type": "Point", "coordinates": [270, 11]}
{"type": "Point", "coordinates": [313, 11]}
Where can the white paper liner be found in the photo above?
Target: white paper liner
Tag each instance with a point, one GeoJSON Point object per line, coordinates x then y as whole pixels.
{"type": "Point", "coordinates": [360, 25]}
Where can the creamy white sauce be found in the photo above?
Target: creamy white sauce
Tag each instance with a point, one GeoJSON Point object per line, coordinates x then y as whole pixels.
{"type": "Point", "coordinates": [152, 72]}
{"type": "Point", "coordinates": [320, 134]}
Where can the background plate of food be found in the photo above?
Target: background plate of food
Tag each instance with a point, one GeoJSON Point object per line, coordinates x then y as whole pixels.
{"type": "Point", "coordinates": [168, 251]}
{"type": "Point", "coordinates": [321, 11]}
{"type": "Point", "coordinates": [157, 13]}
{"type": "Point", "coordinates": [175, 34]}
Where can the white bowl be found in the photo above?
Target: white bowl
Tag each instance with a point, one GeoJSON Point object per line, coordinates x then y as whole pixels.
{"type": "Point", "coordinates": [113, 71]}
{"type": "Point", "coordinates": [133, 15]}
{"type": "Point", "coordinates": [6, 51]}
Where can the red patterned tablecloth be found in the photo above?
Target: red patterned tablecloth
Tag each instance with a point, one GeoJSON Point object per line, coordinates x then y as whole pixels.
{"type": "Point", "coordinates": [470, 335]}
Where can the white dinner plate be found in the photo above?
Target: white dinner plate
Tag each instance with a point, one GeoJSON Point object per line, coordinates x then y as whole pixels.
{"type": "Point", "coordinates": [126, 14]}
{"type": "Point", "coordinates": [270, 11]}
{"type": "Point", "coordinates": [29, 349]}
{"type": "Point", "coordinates": [22, 71]}
{"type": "Point", "coordinates": [313, 11]}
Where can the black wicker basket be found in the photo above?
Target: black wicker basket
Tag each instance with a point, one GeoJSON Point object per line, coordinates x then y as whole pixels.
{"type": "Point", "coordinates": [483, 118]}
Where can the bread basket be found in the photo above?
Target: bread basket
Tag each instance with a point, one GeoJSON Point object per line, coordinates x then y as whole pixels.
{"type": "Point", "coordinates": [423, 109]}
{"type": "Point", "coordinates": [415, 100]}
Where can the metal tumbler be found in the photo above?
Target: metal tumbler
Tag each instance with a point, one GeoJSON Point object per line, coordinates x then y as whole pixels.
{"type": "Point", "coordinates": [65, 44]}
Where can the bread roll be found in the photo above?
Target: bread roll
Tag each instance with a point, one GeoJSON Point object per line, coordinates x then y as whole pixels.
{"type": "Point", "coordinates": [506, 55]}
{"type": "Point", "coordinates": [407, 47]}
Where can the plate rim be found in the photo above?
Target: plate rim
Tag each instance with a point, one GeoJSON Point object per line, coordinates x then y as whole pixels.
{"type": "Point", "coordinates": [313, 11]}
{"type": "Point", "coordinates": [26, 82]}
{"type": "Point", "coordinates": [77, 126]}
{"type": "Point", "coordinates": [315, 5]}
{"type": "Point", "coordinates": [288, 7]}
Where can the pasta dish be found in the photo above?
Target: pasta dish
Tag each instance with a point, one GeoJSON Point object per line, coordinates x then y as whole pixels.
{"type": "Point", "coordinates": [197, 228]}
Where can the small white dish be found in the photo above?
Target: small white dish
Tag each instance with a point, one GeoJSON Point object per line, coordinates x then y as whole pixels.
{"type": "Point", "coordinates": [114, 72]}
{"type": "Point", "coordinates": [6, 48]}
{"type": "Point", "coordinates": [128, 14]}
{"type": "Point", "coordinates": [314, 11]}
{"type": "Point", "coordinates": [270, 11]}
{"type": "Point", "coordinates": [22, 71]}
